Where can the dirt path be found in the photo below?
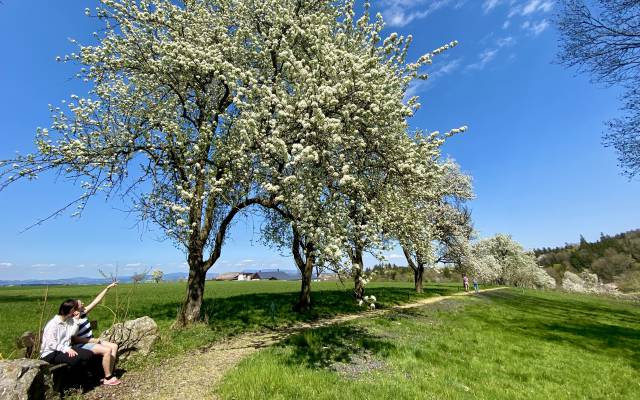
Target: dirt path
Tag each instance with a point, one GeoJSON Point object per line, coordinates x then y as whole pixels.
{"type": "Point", "coordinates": [196, 374]}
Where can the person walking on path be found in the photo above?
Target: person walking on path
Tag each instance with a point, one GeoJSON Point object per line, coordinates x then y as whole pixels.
{"type": "Point", "coordinates": [85, 340]}
{"type": "Point", "coordinates": [465, 282]}
{"type": "Point", "coordinates": [476, 287]}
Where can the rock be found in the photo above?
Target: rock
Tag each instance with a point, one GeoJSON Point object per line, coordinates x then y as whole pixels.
{"type": "Point", "coordinates": [133, 337]}
{"type": "Point", "coordinates": [25, 344]}
{"type": "Point", "coordinates": [26, 379]}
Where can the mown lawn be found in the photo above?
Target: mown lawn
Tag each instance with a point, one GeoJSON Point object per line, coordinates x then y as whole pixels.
{"type": "Point", "coordinates": [230, 308]}
{"type": "Point", "coordinates": [507, 344]}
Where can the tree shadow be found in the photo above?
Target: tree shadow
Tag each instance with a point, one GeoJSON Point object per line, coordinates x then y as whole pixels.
{"type": "Point", "coordinates": [582, 323]}
{"type": "Point", "coordinates": [235, 314]}
{"type": "Point", "coordinates": [324, 347]}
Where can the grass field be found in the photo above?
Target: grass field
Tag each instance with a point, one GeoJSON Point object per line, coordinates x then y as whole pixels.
{"type": "Point", "coordinates": [507, 344]}
{"type": "Point", "coordinates": [230, 308]}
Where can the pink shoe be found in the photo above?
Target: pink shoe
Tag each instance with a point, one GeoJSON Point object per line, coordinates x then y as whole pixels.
{"type": "Point", "coordinates": [111, 382]}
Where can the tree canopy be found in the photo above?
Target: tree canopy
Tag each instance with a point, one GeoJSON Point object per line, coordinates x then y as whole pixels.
{"type": "Point", "coordinates": [602, 37]}
{"type": "Point", "coordinates": [200, 109]}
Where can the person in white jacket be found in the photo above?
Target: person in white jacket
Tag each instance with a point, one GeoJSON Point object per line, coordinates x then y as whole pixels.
{"type": "Point", "coordinates": [56, 339]}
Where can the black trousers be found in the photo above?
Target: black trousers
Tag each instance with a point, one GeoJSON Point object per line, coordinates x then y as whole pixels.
{"type": "Point", "coordinates": [58, 357]}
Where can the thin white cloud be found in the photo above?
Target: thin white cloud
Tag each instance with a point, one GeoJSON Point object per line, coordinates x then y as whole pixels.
{"type": "Point", "coordinates": [459, 4]}
{"type": "Point", "coordinates": [129, 268]}
{"type": "Point", "coordinates": [484, 58]}
{"type": "Point", "coordinates": [6, 264]}
{"type": "Point", "coordinates": [402, 12]}
{"type": "Point", "coordinates": [244, 263]}
{"type": "Point", "coordinates": [489, 54]}
{"type": "Point", "coordinates": [414, 88]}
{"type": "Point", "coordinates": [519, 7]}
{"type": "Point", "coordinates": [43, 265]}
{"type": "Point", "coordinates": [505, 41]}
{"type": "Point", "coordinates": [546, 6]}
{"type": "Point", "coordinates": [535, 28]}
{"type": "Point", "coordinates": [530, 7]}
{"type": "Point", "coordinates": [137, 264]}
{"type": "Point", "coordinates": [419, 86]}
{"type": "Point", "coordinates": [533, 6]}
{"type": "Point", "coordinates": [489, 5]}
{"type": "Point", "coordinates": [524, 9]}
{"type": "Point", "coordinates": [448, 67]}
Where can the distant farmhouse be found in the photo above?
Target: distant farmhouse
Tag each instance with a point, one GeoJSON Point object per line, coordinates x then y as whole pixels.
{"type": "Point", "coordinates": [236, 276]}
{"type": "Point", "coordinates": [260, 275]}
{"type": "Point", "coordinates": [327, 277]}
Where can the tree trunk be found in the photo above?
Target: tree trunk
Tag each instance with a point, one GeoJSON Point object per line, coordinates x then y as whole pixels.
{"type": "Point", "coordinates": [358, 269]}
{"type": "Point", "coordinates": [417, 266]}
{"type": "Point", "coordinates": [190, 310]}
{"type": "Point", "coordinates": [418, 275]}
{"type": "Point", "coordinates": [305, 265]}
{"type": "Point", "coordinates": [304, 302]}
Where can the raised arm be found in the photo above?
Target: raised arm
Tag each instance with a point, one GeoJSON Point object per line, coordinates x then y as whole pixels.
{"type": "Point", "coordinates": [99, 297]}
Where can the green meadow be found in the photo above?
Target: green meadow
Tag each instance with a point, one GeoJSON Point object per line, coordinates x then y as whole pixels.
{"type": "Point", "coordinates": [506, 344]}
{"type": "Point", "coordinates": [230, 308]}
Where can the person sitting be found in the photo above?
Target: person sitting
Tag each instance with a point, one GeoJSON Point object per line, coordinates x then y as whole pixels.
{"type": "Point", "coordinates": [85, 340]}
{"type": "Point", "coordinates": [56, 339]}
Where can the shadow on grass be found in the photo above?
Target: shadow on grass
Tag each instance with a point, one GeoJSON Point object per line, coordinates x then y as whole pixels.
{"type": "Point", "coordinates": [584, 323]}
{"type": "Point", "coordinates": [235, 314]}
{"type": "Point", "coordinates": [323, 347]}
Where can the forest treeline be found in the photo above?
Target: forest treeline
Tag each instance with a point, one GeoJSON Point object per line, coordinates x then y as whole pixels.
{"type": "Point", "coordinates": [615, 259]}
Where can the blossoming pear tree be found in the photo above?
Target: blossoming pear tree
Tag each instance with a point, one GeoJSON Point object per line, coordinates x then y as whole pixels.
{"type": "Point", "coordinates": [199, 109]}
{"type": "Point", "coordinates": [157, 125]}
{"type": "Point", "coordinates": [436, 227]}
{"type": "Point", "coordinates": [336, 122]}
{"type": "Point", "coordinates": [283, 231]}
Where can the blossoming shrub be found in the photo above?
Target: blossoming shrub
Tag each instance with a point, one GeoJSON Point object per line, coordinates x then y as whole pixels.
{"type": "Point", "coordinates": [502, 260]}
{"type": "Point", "coordinates": [586, 282]}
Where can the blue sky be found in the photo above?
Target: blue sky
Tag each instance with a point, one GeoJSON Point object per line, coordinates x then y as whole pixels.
{"type": "Point", "coordinates": [533, 148]}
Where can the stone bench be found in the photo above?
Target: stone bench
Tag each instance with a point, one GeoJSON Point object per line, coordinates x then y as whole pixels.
{"type": "Point", "coordinates": [27, 378]}
{"type": "Point", "coordinates": [26, 343]}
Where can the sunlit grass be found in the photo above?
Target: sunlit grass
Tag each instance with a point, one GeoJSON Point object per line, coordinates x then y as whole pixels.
{"type": "Point", "coordinates": [500, 345]}
{"type": "Point", "coordinates": [230, 308]}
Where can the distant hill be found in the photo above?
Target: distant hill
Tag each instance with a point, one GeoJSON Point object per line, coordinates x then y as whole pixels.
{"type": "Point", "coordinates": [277, 273]}
{"type": "Point", "coordinates": [169, 277]}
{"type": "Point", "coordinates": [613, 258]}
